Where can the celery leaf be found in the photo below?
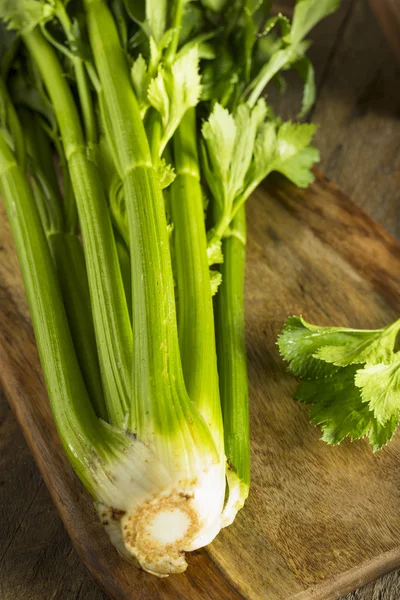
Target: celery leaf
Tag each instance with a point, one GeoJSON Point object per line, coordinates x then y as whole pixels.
{"type": "Point", "coordinates": [339, 346]}
{"type": "Point", "coordinates": [298, 168]}
{"type": "Point", "coordinates": [140, 79]}
{"type": "Point", "coordinates": [338, 408]}
{"type": "Point", "coordinates": [380, 389]}
{"type": "Point", "coordinates": [351, 377]}
{"type": "Point", "coordinates": [362, 346]}
{"type": "Point", "coordinates": [247, 123]}
{"type": "Point", "coordinates": [299, 342]}
{"type": "Point", "coordinates": [230, 140]}
{"type": "Point", "coordinates": [292, 138]}
{"type": "Point", "coordinates": [174, 90]}
{"type": "Point", "coordinates": [307, 13]}
{"type": "Point", "coordinates": [286, 151]}
{"type": "Point", "coordinates": [215, 281]}
{"type": "Point", "coordinates": [165, 173]}
{"type": "Point", "coordinates": [24, 15]}
{"type": "Point", "coordinates": [151, 15]}
{"type": "Point", "coordinates": [219, 133]}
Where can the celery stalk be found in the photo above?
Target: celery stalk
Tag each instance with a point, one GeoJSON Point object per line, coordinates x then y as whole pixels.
{"type": "Point", "coordinates": [110, 313]}
{"type": "Point", "coordinates": [70, 265]}
{"type": "Point", "coordinates": [126, 270]}
{"type": "Point", "coordinates": [195, 310]}
{"type": "Point", "coordinates": [79, 429]}
{"type": "Point", "coordinates": [161, 414]}
{"type": "Point", "coordinates": [67, 255]}
{"type": "Point", "coordinates": [232, 366]}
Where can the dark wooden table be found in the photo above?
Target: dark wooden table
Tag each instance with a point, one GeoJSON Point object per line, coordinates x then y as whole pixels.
{"type": "Point", "coordinates": [358, 109]}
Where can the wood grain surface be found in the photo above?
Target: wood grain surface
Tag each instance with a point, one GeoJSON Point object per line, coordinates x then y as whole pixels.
{"type": "Point", "coordinates": [37, 561]}
{"type": "Point", "coordinates": [319, 520]}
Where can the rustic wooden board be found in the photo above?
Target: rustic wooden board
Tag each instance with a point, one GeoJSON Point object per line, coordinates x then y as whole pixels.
{"type": "Point", "coordinates": [388, 15]}
{"type": "Point", "coordinates": [320, 521]}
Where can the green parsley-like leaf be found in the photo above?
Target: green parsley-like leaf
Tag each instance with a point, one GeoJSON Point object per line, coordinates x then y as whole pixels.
{"type": "Point", "coordinates": [379, 435]}
{"type": "Point", "coordinates": [351, 378]}
{"type": "Point", "coordinates": [380, 389]}
{"type": "Point", "coordinates": [165, 173]}
{"type": "Point", "coordinates": [175, 89]}
{"type": "Point", "coordinates": [156, 14]}
{"type": "Point", "coordinates": [361, 346]}
{"type": "Point", "coordinates": [140, 79]}
{"type": "Point", "coordinates": [247, 123]}
{"type": "Point", "coordinates": [339, 346]}
{"type": "Point", "coordinates": [230, 141]}
{"type": "Point", "coordinates": [285, 150]}
{"type": "Point", "coordinates": [215, 281]}
{"type": "Point", "coordinates": [338, 408]}
{"type": "Point", "coordinates": [214, 251]}
{"type": "Point", "coordinates": [298, 343]}
{"type": "Point", "coordinates": [292, 138]}
{"type": "Point", "coordinates": [24, 15]}
{"type": "Point", "coordinates": [307, 13]}
{"type": "Point", "coordinates": [151, 15]}
{"type": "Point", "coordinates": [298, 167]}
{"type": "Point", "coordinates": [219, 133]}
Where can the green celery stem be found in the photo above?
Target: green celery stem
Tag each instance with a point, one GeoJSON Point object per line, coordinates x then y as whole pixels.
{"type": "Point", "coordinates": [70, 265]}
{"type": "Point", "coordinates": [159, 399]}
{"type": "Point", "coordinates": [74, 415]}
{"type": "Point", "coordinates": [153, 314]}
{"type": "Point", "coordinates": [14, 123]}
{"type": "Point", "coordinates": [194, 301]}
{"type": "Point", "coordinates": [67, 255]}
{"type": "Point", "coordinates": [81, 77]}
{"type": "Point", "coordinates": [176, 24]}
{"type": "Point", "coordinates": [231, 350]}
{"type": "Point", "coordinates": [125, 266]}
{"type": "Point", "coordinates": [265, 75]}
{"type": "Point", "coordinates": [38, 144]}
{"type": "Point", "coordinates": [110, 312]}
{"type": "Point", "coordinates": [154, 133]}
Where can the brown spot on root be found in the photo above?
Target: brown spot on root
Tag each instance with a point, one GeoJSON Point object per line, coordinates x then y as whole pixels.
{"type": "Point", "coordinates": [186, 495]}
{"type": "Point", "coordinates": [117, 514]}
{"type": "Point", "coordinates": [111, 514]}
{"type": "Point", "coordinates": [231, 467]}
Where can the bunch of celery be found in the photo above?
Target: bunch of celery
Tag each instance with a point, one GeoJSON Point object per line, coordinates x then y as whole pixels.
{"type": "Point", "coordinates": [155, 114]}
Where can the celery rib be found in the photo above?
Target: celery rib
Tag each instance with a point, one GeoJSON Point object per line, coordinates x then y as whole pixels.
{"type": "Point", "coordinates": [232, 365]}
{"type": "Point", "coordinates": [73, 412]}
{"type": "Point", "coordinates": [110, 312]}
{"type": "Point", "coordinates": [195, 310]}
{"type": "Point", "coordinates": [159, 402]}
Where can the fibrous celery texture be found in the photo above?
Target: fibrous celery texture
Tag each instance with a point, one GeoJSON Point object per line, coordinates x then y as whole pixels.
{"type": "Point", "coordinates": [154, 112]}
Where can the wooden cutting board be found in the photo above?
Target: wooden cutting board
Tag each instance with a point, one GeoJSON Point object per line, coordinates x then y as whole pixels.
{"type": "Point", "coordinates": [320, 521]}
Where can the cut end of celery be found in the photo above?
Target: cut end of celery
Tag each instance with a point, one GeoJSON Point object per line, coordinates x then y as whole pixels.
{"type": "Point", "coordinates": [156, 534]}
{"type": "Point", "coordinates": [155, 520]}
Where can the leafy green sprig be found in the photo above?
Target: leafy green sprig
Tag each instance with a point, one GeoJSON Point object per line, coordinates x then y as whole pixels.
{"type": "Point", "coordinates": [350, 377]}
